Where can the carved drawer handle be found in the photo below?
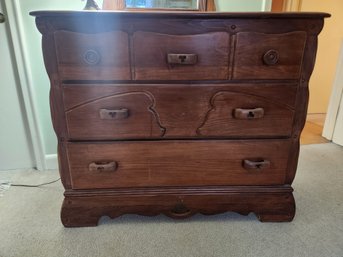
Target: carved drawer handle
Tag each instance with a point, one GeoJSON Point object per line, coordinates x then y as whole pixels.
{"type": "Point", "coordinates": [256, 165]}
{"type": "Point", "coordinates": [103, 166]}
{"type": "Point", "coordinates": [91, 57]}
{"type": "Point", "coordinates": [185, 59]}
{"type": "Point", "coordinates": [248, 114]}
{"type": "Point", "coordinates": [271, 57]}
{"type": "Point", "coordinates": [115, 114]}
{"type": "Point", "coordinates": [180, 211]}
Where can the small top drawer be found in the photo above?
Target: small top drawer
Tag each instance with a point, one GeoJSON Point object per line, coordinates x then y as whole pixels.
{"type": "Point", "coordinates": [268, 56]}
{"type": "Point", "coordinates": [181, 57]}
{"type": "Point", "coordinates": [100, 56]}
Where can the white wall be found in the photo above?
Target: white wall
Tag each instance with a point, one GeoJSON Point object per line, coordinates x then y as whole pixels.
{"type": "Point", "coordinates": [41, 84]}
{"type": "Point", "coordinates": [15, 143]}
{"type": "Point", "coordinates": [329, 43]}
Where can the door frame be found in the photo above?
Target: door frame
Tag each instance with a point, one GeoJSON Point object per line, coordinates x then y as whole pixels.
{"type": "Point", "coordinates": [16, 34]}
{"type": "Point", "coordinates": [293, 5]}
{"type": "Point", "coordinates": [286, 5]}
{"type": "Point", "coordinates": [336, 99]}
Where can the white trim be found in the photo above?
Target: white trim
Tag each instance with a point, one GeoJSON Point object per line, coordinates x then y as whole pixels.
{"type": "Point", "coordinates": [335, 99]}
{"type": "Point", "coordinates": [266, 5]}
{"type": "Point", "coordinates": [51, 162]}
{"type": "Point", "coordinates": [293, 5]}
{"type": "Point", "coordinates": [24, 75]}
{"type": "Point", "coordinates": [337, 137]}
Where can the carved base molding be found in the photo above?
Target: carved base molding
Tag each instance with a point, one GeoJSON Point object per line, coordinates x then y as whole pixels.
{"type": "Point", "coordinates": [85, 207]}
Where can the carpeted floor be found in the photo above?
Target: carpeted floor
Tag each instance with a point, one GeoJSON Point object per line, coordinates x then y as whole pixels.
{"type": "Point", "coordinates": [30, 225]}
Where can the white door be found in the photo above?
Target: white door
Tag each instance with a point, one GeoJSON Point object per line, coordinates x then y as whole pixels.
{"type": "Point", "coordinates": [333, 127]}
{"type": "Point", "coordinates": [15, 144]}
{"type": "Point", "coordinates": [337, 136]}
{"type": "Point", "coordinates": [338, 132]}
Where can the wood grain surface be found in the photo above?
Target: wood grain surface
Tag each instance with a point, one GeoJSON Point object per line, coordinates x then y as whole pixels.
{"type": "Point", "coordinates": [177, 163]}
{"type": "Point", "coordinates": [160, 111]}
{"type": "Point", "coordinates": [217, 130]}
{"type": "Point", "coordinates": [251, 46]}
{"type": "Point", "coordinates": [73, 49]}
{"type": "Point", "coordinates": [276, 121]}
{"type": "Point", "coordinates": [85, 121]}
{"type": "Point", "coordinates": [151, 50]}
{"type": "Point", "coordinates": [270, 204]}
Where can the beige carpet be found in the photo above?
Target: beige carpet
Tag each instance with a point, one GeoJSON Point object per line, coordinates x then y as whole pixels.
{"type": "Point", "coordinates": [30, 225]}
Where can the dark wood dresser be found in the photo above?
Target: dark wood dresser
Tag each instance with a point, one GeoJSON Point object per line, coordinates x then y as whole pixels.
{"type": "Point", "coordinates": [178, 113]}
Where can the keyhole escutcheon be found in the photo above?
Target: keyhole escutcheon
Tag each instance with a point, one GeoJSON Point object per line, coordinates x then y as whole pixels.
{"type": "Point", "coordinates": [182, 58]}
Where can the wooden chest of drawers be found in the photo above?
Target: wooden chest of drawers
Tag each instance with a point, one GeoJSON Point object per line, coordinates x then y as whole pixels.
{"type": "Point", "coordinates": [178, 113]}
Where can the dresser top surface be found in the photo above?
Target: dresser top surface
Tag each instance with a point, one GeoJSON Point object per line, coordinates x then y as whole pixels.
{"type": "Point", "coordinates": [175, 14]}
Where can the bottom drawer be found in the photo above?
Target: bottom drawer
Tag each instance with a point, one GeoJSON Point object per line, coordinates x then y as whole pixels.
{"type": "Point", "coordinates": [177, 163]}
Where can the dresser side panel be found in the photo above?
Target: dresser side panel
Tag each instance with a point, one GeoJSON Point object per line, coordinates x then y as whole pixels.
{"type": "Point", "coordinates": [303, 97]}
{"type": "Point", "coordinates": [56, 96]}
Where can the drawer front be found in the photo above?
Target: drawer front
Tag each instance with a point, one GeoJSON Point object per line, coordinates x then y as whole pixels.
{"type": "Point", "coordinates": [245, 115]}
{"type": "Point", "coordinates": [268, 56]}
{"type": "Point", "coordinates": [100, 56]}
{"type": "Point", "coordinates": [106, 112]}
{"type": "Point", "coordinates": [117, 116]}
{"type": "Point", "coordinates": [177, 163]}
{"type": "Point", "coordinates": [181, 57]}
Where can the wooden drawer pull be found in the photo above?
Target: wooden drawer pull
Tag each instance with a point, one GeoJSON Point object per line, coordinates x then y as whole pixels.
{"type": "Point", "coordinates": [186, 59]}
{"type": "Point", "coordinates": [256, 165]}
{"type": "Point", "coordinates": [271, 57]}
{"type": "Point", "coordinates": [116, 114]}
{"type": "Point", "coordinates": [248, 114]}
{"type": "Point", "coordinates": [103, 166]}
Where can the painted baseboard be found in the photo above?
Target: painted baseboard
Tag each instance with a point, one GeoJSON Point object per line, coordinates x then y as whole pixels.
{"type": "Point", "coordinates": [51, 162]}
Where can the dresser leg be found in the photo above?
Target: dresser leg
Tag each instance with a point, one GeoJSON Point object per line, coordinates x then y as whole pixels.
{"type": "Point", "coordinates": [74, 214]}
{"type": "Point", "coordinates": [284, 213]}
{"type": "Point", "coordinates": [264, 217]}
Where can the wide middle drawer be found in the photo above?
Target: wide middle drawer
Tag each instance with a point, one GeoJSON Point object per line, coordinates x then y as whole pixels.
{"type": "Point", "coordinates": [177, 163]}
{"type": "Point", "coordinates": [110, 112]}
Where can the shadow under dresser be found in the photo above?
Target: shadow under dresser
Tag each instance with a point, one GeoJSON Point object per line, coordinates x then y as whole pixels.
{"type": "Point", "coordinates": [178, 113]}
